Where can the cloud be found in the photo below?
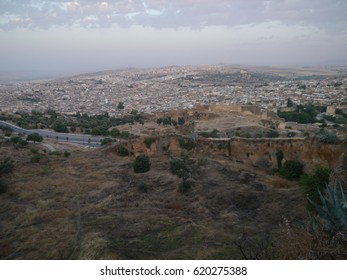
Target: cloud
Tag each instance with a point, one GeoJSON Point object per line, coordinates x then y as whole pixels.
{"type": "Point", "coordinates": [43, 14]}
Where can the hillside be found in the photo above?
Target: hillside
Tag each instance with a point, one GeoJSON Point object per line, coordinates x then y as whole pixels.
{"type": "Point", "coordinates": [89, 204]}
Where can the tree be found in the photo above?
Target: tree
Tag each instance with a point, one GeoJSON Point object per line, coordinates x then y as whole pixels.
{"type": "Point", "coordinates": [34, 137]}
{"type": "Point", "coordinates": [180, 168]}
{"type": "Point", "coordinates": [184, 168]}
{"type": "Point", "coordinates": [142, 164]}
{"type": "Point", "coordinates": [60, 126]}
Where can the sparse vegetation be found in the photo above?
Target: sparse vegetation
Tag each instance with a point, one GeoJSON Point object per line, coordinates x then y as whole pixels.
{"type": "Point", "coordinates": [36, 158]}
{"type": "Point", "coordinates": [279, 158]}
{"type": "Point", "coordinates": [106, 141]}
{"type": "Point", "coordinates": [291, 169]}
{"type": "Point", "coordinates": [187, 144]}
{"type": "Point", "coordinates": [148, 142]}
{"type": "Point", "coordinates": [272, 134]}
{"type": "Point", "coordinates": [328, 138]}
{"type": "Point", "coordinates": [213, 134]}
{"type": "Point", "coordinates": [122, 151]}
{"type": "Point", "coordinates": [3, 187]}
{"type": "Point", "coordinates": [6, 166]}
{"type": "Point", "coordinates": [67, 154]}
{"type": "Point", "coordinates": [142, 164]}
{"type": "Point", "coordinates": [314, 183]}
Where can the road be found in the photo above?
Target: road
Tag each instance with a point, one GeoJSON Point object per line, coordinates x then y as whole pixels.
{"type": "Point", "coordinates": [82, 139]}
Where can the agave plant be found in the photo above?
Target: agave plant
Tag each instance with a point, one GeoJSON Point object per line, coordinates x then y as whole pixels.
{"type": "Point", "coordinates": [333, 209]}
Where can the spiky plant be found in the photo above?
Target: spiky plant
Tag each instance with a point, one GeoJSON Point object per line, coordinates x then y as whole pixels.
{"type": "Point", "coordinates": [333, 209]}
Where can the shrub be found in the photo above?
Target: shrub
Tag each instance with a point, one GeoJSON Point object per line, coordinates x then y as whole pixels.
{"type": "Point", "coordinates": [279, 158]}
{"type": "Point", "coordinates": [184, 186]}
{"type": "Point", "coordinates": [67, 154]}
{"type": "Point", "coordinates": [187, 144]}
{"type": "Point", "coordinates": [328, 138]}
{"type": "Point", "coordinates": [291, 170]}
{"type": "Point", "coordinates": [312, 184]}
{"type": "Point", "coordinates": [55, 153]}
{"type": "Point", "coordinates": [148, 142]}
{"type": "Point", "coordinates": [272, 134]}
{"type": "Point", "coordinates": [143, 187]}
{"type": "Point", "coordinates": [106, 141]}
{"type": "Point", "coordinates": [3, 187]}
{"type": "Point", "coordinates": [122, 151]}
{"type": "Point", "coordinates": [34, 151]}
{"type": "Point", "coordinates": [115, 132]}
{"type": "Point", "coordinates": [6, 166]}
{"type": "Point", "coordinates": [36, 158]}
{"type": "Point", "coordinates": [142, 164]}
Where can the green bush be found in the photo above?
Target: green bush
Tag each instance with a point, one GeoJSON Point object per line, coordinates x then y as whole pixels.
{"type": "Point", "coordinates": [3, 187]}
{"type": "Point", "coordinates": [36, 158]}
{"type": "Point", "coordinates": [6, 166]}
{"type": "Point", "coordinates": [279, 158]}
{"type": "Point", "coordinates": [291, 170]}
{"type": "Point", "coordinates": [122, 151]}
{"type": "Point", "coordinates": [213, 134]}
{"type": "Point", "coordinates": [312, 184]}
{"type": "Point", "coordinates": [34, 151]}
{"type": "Point", "coordinates": [142, 164]}
{"type": "Point", "coordinates": [272, 134]}
{"type": "Point", "coordinates": [148, 142]}
{"type": "Point", "coordinates": [55, 153]}
{"type": "Point", "coordinates": [184, 186]}
{"type": "Point", "coordinates": [187, 144]}
{"type": "Point", "coordinates": [328, 138]}
{"type": "Point", "coordinates": [106, 141]}
{"type": "Point", "coordinates": [67, 154]}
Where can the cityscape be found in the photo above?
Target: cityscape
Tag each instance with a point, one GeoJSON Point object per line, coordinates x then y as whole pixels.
{"type": "Point", "coordinates": [184, 87]}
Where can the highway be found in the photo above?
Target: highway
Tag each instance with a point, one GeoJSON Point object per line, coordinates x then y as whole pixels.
{"type": "Point", "coordinates": [82, 139]}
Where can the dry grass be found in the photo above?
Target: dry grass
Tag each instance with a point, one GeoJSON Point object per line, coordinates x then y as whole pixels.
{"type": "Point", "coordinates": [89, 206]}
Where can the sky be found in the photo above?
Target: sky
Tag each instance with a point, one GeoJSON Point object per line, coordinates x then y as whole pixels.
{"type": "Point", "coordinates": [68, 37]}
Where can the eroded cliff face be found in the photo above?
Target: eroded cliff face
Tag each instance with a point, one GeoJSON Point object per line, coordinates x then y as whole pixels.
{"type": "Point", "coordinates": [262, 152]}
{"type": "Point", "coordinates": [257, 152]}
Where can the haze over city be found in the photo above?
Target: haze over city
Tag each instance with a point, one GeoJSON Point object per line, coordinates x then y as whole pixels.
{"type": "Point", "coordinates": [52, 38]}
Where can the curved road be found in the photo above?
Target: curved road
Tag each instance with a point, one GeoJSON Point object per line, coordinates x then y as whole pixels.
{"type": "Point", "coordinates": [82, 139]}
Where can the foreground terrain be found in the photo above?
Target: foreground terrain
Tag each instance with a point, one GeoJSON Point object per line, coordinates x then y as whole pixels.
{"type": "Point", "coordinates": [89, 206]}
{"type": "Point", "coordinates": [65, 201]}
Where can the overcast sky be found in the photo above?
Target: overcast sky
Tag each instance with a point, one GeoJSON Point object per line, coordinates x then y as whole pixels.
{"type": "Point", "coordinates": [65, 37]}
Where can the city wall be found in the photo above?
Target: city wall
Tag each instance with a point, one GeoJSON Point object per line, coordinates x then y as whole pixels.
{"type": "Point", "coordinates": [260, 152]}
